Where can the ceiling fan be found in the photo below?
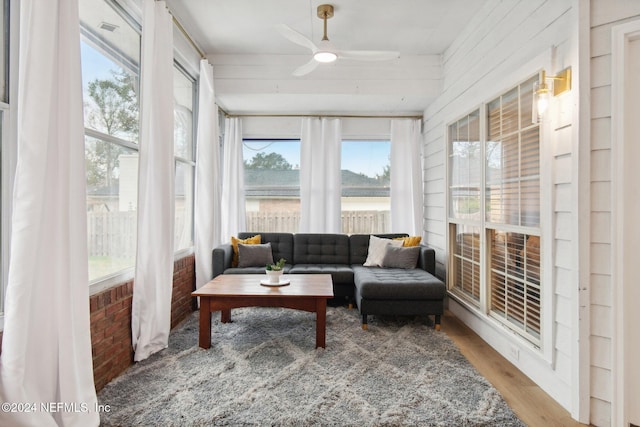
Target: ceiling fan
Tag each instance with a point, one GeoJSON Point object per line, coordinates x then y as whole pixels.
{"type": "Point", "coordinates": [325, 52]}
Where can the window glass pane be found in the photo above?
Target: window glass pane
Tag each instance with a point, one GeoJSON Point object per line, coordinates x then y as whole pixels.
{"type": "Point", "coordinates": [366, 177]}
{"type": "Point", "coordinates": [110, 52]}
{"type": "Point", "coordinates": [466, 261]}
{"type": "Point", "coordinates": [465, 166]}
{"type": "Point", "coordinates": [183, 114]}
{"type": "Point", "coordinates": [512, 161]}
{"type": "Point", "coordinates": [526, 103]}
{"type": "Point", "coordinates": [515, 280]}
{"type": "Point", "coordinates": [112, 194]}
{"type": "Point", "coordinates": [272, 184]}
{"type": "Point", "coordinates": [184, 206]}
{"type": "Point", "coordinates": [4, 52]}
{"type": "Point", "coordinates": [510, 119]}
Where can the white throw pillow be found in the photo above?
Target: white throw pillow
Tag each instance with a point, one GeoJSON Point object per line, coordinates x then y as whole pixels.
{"type": "Point", "coordinates": [377, 248]}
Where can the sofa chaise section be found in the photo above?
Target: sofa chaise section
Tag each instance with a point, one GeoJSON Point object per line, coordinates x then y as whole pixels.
{"type": "Point", "coordinates": [396, 291]}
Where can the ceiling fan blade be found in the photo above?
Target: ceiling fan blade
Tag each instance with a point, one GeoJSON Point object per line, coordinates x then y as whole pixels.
{"type": "Point", "coordinates": [294, 36]}
{"type": "Point", "coordinates": [368, 55]}
{"type": "Point", "coordinates": [306, 68]}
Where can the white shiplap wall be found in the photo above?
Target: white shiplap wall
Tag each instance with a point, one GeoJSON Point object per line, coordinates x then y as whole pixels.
{"type": "Point", "coordinates": [605, 14]}
{"type": "Point", "coordinates": [507, 42]}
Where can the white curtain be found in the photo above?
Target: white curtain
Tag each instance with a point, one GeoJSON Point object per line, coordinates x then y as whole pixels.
{"type": "Point", "coordinates": [46, 351]}
{"type": "Point", "coordinates": [208, 190]}
{"type": "Point", "coordinates": [406, 177]}
{"type": "Point", "coordinates": [320, 176]}
{"type": "Point", "coordinates": [233, 209]}
{"type": "Point", "coordinates": [151, 308]}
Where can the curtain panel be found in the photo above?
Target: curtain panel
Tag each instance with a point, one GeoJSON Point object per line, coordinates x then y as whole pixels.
{"type": "Point", "coordinates": [233, 204]}
{"type": "Point", "coordinates": [151, 308]}
{"type": "Point", "coordinates": [406, 177]}
{"type": "Point", "coordinates": [46, 354]}
{"type": "Point", "coordinates": [207, 222]}
{"type": "Point", "coordinates": [320, 176]}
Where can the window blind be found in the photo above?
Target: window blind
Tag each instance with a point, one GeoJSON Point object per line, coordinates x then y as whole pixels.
{"type": "Point", "coordinates": [513, 211]}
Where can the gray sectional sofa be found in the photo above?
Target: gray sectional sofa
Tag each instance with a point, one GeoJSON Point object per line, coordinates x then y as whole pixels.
{"type": "Point", "coordinates": [375, 290]}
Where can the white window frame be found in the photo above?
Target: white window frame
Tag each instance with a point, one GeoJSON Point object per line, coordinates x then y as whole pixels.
{"type": "Point", "coordinates": [180, 253]}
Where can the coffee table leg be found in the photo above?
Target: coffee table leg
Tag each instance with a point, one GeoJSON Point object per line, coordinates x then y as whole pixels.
{"type": "Point", "coordinates": [205, 323]}
{"type": "Point", "coordinates": [225, 315]}
{"type": "Point", "coordinates": [321, 322]}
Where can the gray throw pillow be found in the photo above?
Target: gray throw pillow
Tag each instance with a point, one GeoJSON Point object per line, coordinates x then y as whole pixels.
{"type": "Point", "coordinates": [400, 257]}
{"type": "Point", "coordinates": [254, 255]}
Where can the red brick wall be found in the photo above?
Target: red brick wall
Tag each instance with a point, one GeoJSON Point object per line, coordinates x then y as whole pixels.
{"type": "Point", "coordinates": [184, 282]}
{"type": "Point", "coordinates": [111, 321]}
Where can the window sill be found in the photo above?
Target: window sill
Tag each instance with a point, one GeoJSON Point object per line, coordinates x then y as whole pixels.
{"type": "Point", "coordinates": [122, 276]}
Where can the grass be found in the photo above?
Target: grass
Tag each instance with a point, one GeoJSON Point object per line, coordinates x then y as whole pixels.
{"type": "Point", "coordinates": [101, 266]}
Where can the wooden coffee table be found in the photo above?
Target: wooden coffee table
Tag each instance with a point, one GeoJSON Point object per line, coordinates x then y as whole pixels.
{"type": "Point", "coordinates": [308, 292]}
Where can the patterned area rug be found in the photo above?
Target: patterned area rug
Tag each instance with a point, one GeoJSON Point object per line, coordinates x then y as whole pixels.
{"type": "Point", "coordinates": [262, 369]}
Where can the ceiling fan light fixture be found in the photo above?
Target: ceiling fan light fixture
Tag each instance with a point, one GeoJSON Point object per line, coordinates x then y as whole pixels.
{"type": "Point", "coordinates": [325, 56]}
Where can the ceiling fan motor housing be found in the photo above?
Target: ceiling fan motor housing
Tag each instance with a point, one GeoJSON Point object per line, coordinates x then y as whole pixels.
{"type": "Point", "coordinates": [325, 11]}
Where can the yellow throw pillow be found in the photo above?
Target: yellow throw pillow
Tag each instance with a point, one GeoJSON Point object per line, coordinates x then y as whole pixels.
{"type": "Point", "coordinates": [255, 240]}
{"type": "Point", "coordinates": [410, 241]}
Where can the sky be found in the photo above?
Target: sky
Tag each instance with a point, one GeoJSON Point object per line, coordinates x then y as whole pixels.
{"type": "Point", "coordinates": [94, 65]}
{"type": "Point", "coordinates": [367, 157]}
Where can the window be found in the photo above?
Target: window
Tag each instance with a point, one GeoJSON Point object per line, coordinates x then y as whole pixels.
{"type": "Point", "coordinates": [512, 200]}
{"type": "Point", "coordinates": [366, 173]}
{"type": "Point", "coordinates": [500, 206]}
{"type": "Point", "coordinates": [465, 182]}
{"type": "Point", "coordinates": [110, 49]}
{"type": "Point", "coordinates": [7, 147]}
{"type": "Point", "coordinates": [184, 148]}
{"type": "Point", "coordinates": [272, 184]}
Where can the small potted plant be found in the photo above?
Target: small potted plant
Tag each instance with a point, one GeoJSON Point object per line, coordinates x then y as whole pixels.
{"type": "Point", "coordinates": [274, 271]}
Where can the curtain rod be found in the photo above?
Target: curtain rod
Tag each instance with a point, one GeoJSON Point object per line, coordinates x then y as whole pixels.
{"type": "Point", "coordinates": [337, 116]}
{"type": "Point", "coordinates": [188, 37]}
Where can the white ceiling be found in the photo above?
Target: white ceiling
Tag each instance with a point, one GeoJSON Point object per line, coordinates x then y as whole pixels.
{"type": "Point", "coordinates": [253, 62]}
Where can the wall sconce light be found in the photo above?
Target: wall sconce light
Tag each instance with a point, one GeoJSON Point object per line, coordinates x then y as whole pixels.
{"type": "Point", "coordinates": [542, 90]}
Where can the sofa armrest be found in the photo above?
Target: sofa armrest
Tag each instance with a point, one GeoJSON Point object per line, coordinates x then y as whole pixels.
{"type": "Point", "coordinates": [427, 259]}
{"type": "Point", "coordinates": [221, 259]}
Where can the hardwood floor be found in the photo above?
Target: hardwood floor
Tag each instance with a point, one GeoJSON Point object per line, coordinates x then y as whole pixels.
{"type": "Point", "coordinates": [532, 405]}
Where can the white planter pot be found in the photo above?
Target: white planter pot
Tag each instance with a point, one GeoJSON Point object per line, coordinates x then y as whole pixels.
{"type": "Point", "coordinates": [274, 275]}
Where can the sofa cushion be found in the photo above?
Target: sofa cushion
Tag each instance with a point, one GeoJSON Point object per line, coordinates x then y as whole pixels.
{"type": "Point", "coordinates": [281, 244]}
{"type": "Point", "coordinates": [397, 283]}
{"type": "Point", "coordinates": [248, 240]}
{"type": "Point", "coordinates": [400, 257]}
{"type": "Point", "coordinates": [312, 248]}
{"type": "Point", "coordinates": [254, 255]}
{"type": "Point", "coordinates": [359, 246]}
{"type": "Point", "coordinates": [410, 240]}
{"type": "Point", "coordinates": [377, 250]}
{"type": "Point", "coordinates": [340, 273]}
